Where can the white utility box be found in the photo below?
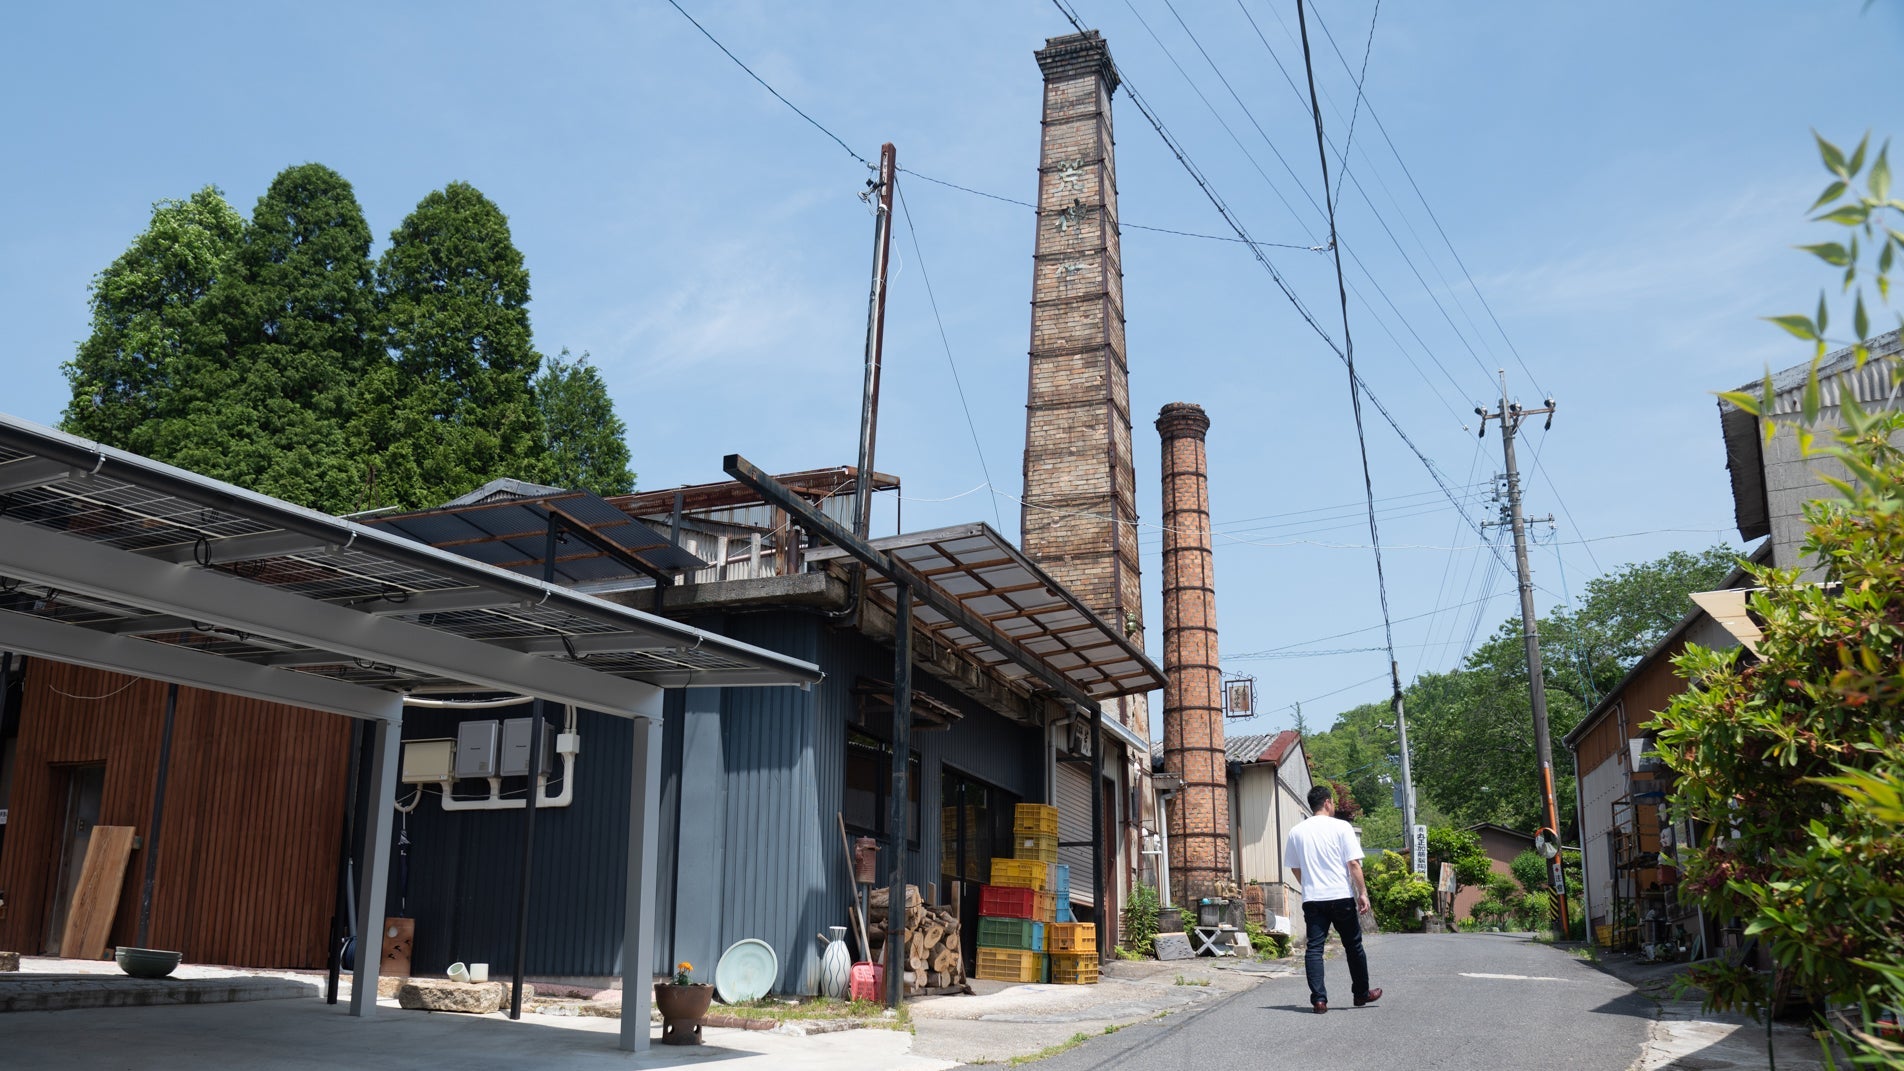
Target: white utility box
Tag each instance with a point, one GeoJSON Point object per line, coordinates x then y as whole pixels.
{"type": "Point", "coordinates": [426, 762]}
{"type": "Point", "coordinates": [515, 747]}
{"type": "Point", "coordinates": [476, 749]}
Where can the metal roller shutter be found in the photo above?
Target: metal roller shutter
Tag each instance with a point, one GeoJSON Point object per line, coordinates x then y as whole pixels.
{"type": "Point", "coordinates": [1074, 824]}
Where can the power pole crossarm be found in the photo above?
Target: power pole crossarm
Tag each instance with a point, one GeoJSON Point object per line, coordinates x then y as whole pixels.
{"type": "Point", "coordinates": [1510, 416]}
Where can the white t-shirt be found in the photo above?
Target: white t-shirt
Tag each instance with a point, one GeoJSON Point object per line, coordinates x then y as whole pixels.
{"type": "Point", "coordinates": [1323, 847]}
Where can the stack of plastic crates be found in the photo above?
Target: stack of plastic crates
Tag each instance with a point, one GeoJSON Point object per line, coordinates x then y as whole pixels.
{"type": "Point", "coordinates": [1073, 950]}
{"type": "Point", "coordinates": [1011, 933]}
{"type": "Point", "coordinates": [1035, 832]}
{"type": "Point", "coordinates": [1061, 889]}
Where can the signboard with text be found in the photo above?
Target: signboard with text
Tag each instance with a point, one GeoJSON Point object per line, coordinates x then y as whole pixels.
{"type": "Point", "coordinates": [1420, 841]}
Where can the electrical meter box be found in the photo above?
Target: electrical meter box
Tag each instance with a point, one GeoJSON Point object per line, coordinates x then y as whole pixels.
{"type": "Point", "coordinates": [515, 747]}
{"type": "Point", "coordinates": [427, 762]}
{"type": "Point", "coordinates": [476, 749]}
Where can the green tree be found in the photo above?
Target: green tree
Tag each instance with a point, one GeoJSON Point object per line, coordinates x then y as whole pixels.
{"type": "Point", "coordinates": [584, 445]}
{"type": "Point", "coordinates": [1460, 849]}
{"type": "Point", "coordinates": [455, 407]}
{"type": "Point", "coordinates": [269, 410]}
{"type": "Point", "coordinates": [148, 314]}
{"type": "Point", "coordinates": [1471, 729]}
{"type": "Point", "coordinates": [1794, 754]}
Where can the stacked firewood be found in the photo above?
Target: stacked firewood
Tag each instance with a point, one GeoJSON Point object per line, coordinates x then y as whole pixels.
{"type": "Point", "coordinates": [933, 959]}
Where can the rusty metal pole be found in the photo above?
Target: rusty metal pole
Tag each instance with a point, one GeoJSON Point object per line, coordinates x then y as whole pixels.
{"type": "Point", "coordinates": [899, 810]}
{"type": "Point", "coordinates": [875, 337]}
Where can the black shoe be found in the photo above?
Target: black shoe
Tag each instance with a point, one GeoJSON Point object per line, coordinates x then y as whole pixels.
{"type": "Point", "coordinates": [1373, 996]}
{"type": "Point", "coordinates": [1319, 1005]}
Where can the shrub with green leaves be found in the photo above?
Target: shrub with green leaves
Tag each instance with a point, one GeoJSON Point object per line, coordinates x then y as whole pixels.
{"type": "Point", "coordinates": [1794, 755]}
{"type": "Point", "coordinates": [1397, 894]}
{"type": "Point", "coordinates": [1140, 920]}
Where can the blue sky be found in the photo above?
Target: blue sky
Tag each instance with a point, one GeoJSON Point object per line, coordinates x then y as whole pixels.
{"type": "Point", "coordinates": [1622, 183]}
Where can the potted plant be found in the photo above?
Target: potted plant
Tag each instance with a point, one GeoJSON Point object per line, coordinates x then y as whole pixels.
{"type": "Point", "coordinates": [683, 1004]}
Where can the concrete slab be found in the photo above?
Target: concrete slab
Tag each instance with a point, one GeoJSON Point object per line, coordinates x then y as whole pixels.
{"type": "Point", "coordinates": [309, 1035]}
{"type": "Point", "coordinates": [65, 992]}
{"type": "Point", "coordinates": [1002, 1020]}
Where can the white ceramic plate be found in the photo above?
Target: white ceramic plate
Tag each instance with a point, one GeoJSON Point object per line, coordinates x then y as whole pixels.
{"type": "Point", "coordinates": [747, 971]}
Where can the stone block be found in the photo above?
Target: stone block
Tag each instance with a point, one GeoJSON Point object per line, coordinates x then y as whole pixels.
{"type": "Point", "coordinates": [9, 961]}
{"type": "Point", "coordinates": [1174, 946]}
{"type": "Point", "coordinates": [481, 998]}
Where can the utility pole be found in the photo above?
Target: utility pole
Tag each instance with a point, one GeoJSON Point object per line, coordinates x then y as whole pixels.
{"type": "Point", "coordinates": [1510, 416]}
{"type": "Point", "coordinates": [1401, 740]}
{"type": "Point", "coordinates": [880, 195]}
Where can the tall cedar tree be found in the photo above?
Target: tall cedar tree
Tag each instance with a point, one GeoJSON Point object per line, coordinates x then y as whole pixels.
{"type": "Point", "coordinates": [270, 410]}
{"type": "Point", "coordinates": [149, 312]}
{"type": "Point", "coordinates": [585, 445]}
{"type": "Point", "coordinates": [455, 407]}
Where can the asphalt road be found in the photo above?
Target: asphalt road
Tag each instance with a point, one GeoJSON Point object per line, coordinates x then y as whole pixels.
{"type": "Point", "coordinates": [1461, 1002]}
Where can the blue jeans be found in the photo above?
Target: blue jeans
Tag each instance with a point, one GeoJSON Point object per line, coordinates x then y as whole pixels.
{"type": "Point", "coordinates": [1320, 915]}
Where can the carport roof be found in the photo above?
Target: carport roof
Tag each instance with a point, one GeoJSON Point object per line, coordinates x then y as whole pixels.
{"type": "Point", "coordinates": [118, 561]}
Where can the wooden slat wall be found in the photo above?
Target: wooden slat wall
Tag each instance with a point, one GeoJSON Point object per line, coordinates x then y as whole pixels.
{"type": "Point", "coordinates": [253, 812]}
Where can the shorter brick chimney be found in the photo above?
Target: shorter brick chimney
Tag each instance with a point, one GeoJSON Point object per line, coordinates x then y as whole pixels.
{"type": "Point", "coordinates": [1199, 814]}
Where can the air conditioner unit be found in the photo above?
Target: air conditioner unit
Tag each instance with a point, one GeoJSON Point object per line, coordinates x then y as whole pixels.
{"type": "Point", "coordinates": [1080, 743]}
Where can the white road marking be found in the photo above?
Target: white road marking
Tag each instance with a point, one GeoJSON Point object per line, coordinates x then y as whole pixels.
{"type": "Point", "coordinates": [1513, 977]}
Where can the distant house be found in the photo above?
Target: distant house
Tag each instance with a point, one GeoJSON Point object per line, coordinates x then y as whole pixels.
{"type": "Point", "coordinates": [1269, 788]}
{"type": "Point", "coordinates": [1502, 846]}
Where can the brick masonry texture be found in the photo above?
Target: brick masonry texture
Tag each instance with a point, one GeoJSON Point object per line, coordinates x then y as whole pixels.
{"type": "Point", "coordinates": [1199, 815]}
{"type": "Point", "coordinates": [1080, 509]}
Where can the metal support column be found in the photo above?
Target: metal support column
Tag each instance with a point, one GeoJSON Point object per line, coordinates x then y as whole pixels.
{"type": "Point", "coordinates": [644, 839]}
{"type": "Point", "coordinates": [386, 739]}
{"type": "Point", "coordinates": [1104, 925]}
{"type": "Point", "coordinates": [896, 956]}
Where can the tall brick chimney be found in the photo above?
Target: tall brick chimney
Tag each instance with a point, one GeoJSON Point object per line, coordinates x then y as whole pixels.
{"type": "Point", "coordinates": [1199, 814]}
{"type": "Point", "coordinates": [1080, 513]}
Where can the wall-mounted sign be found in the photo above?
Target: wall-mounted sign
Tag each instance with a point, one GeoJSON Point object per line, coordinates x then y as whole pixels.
{"type": "Point", "coordinates": [1239, 697]}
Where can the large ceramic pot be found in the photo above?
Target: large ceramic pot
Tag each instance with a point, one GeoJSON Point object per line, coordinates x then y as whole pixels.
{"type": "Point", "coordinates": [682, 1008]}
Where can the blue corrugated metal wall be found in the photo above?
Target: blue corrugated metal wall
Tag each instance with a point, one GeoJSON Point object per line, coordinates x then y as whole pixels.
{"type": "Point", "coordinates": [782, 879]}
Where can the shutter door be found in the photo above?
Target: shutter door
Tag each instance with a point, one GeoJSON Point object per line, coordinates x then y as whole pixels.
{"type": "Point", "coordinates": [1074, 824]}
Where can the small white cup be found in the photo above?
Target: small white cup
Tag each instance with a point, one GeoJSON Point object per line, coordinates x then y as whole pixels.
{"type": "Point", "coordinates": [458, 972]}
{"type": "Point", "coordinates": [479, 972]}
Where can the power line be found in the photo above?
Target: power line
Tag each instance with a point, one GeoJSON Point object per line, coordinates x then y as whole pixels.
{"type": "Point", "coordinates": [1223, 209]}
{"type": "Point", "coordinates": [1348, 357]}
{"type": "Point", "coordinates": [947, 343]}
{"type": "Point", "coordinates": [770, 89]}
{"type": "Point", "coordinates": [1360, 79]}
{"type": "Point", "coordinates": [1121, 224]}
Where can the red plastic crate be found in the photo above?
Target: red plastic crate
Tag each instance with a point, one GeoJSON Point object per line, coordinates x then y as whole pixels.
{"type": "Point", "coordinates": [868, 982]}
{"type": "Point", "coordinates": [1006, 902]}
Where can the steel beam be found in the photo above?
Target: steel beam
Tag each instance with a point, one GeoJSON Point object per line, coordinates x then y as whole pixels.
{"type": "Point", "coordinates": [644, 840]}
{"type": "Point", "coordinates": [900, 573]}
{"type": "Point", "coordinates": [43, 556]}
{"type": "Point", "coordinates": [119, 654]}
{"type": "Point", "coordinates": [374, 880]}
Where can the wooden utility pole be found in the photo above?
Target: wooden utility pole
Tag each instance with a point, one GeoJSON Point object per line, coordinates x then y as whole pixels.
{"type": "Point", "coordinates": [1510, 416]}
{"type": "Point", "coordinates": [880, 196]}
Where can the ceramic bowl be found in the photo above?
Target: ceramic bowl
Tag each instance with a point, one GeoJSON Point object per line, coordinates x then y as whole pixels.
{"type": "Point", "coordinates": [147, 962]}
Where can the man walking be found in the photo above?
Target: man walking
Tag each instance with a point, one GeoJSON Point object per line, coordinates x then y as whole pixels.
{"type": "Point", "coordinates": [1326, 856]}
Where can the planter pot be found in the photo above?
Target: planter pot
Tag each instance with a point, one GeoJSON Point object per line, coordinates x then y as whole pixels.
{"type": "Point", "coordinates": [836, 965]}
{"type": "Point", "coordinates": [682, 1008]}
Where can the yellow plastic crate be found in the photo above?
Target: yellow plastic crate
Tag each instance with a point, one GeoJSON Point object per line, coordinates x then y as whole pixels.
{"type": "Point", "coordinates": [1071, 937]}
{"type": "Point", "coordinates": [1074, 970]}
{"type": "Point", "coordinates": [1010, 965]}
{"type": "Point", "coordinates": [1047, 907]}
{"type": "Point", "coordinates": [1042, 847]}
{"type": "Point", "coordinates": [1035, 818]}
{"type": "Point", "coordinates": [1020, 873]}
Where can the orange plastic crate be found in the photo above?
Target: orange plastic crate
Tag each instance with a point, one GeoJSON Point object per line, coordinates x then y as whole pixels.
{"type": "Point", "coordinates": [1072, 937]}
{"type": "Point", "coordinates": [1010, 965]}
{"type": "Point", "coordinates": [1021, 873]}
{"type": "Point", "coordinates": [1074, 970]}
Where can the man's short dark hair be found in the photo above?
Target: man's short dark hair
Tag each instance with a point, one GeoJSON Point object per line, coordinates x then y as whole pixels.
{"type": "Point", "coordinates": [1320, 795]}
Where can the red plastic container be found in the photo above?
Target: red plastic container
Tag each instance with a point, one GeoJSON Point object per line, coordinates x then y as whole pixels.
{"type": "Point", "coordinates": [868, 982]}
{"type": "Point", "coordinates": [1007, 902]}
